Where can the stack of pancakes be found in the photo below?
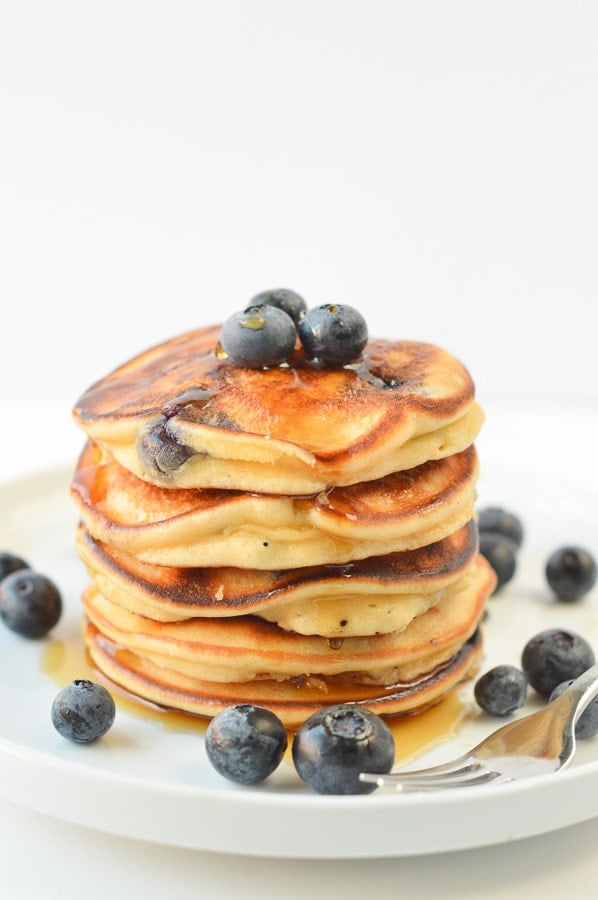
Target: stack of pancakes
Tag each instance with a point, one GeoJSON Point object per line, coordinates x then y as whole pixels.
{"type": "Point", "coordinates": [294, 537]}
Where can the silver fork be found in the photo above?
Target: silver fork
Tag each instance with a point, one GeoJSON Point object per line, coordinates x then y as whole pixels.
{"type": "Point", "coordinates": [537, 744]}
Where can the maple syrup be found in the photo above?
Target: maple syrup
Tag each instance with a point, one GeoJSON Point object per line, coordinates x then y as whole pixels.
{"type": "Point", "coordinates": [419, 733]}
{"type": "Point", "coordinates": [65, 660]}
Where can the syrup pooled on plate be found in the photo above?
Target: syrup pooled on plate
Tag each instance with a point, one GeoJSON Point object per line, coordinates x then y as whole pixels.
{"type": "Point", "coordinates": [65, 660]}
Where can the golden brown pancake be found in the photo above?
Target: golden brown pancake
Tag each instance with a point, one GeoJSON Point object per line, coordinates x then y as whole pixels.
{"type": "Point", "coordinates": [149, 660]}
{"type": "Point", "coordinates": [245, 648]}
{"type": "Point", "coordinates": [294, 536]}
{"type": "Point", "coordinates": [375, 595]}
{"type": "Point", "coordinates": [293, 700]}
{"type": "Point", "coordinates": [178, 416]}
{"type": "Point", "coordinates": [195, 527]}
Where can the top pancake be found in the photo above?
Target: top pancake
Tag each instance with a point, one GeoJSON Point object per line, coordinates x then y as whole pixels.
{"type": "Point", "coordinates": [179, 416]}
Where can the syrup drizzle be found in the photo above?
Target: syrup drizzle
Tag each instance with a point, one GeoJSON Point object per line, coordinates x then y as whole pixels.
{"type": "Point", "coordinates": [64, 660]}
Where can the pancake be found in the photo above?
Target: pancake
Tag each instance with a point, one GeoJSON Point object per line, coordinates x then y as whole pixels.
{"type": "Point", "coordinates": [375, 595]}
{"type": "Point", "coordinates": [293, 536]}
{"type": "Point", "coordinates": [293, 701]}
{"type": "Point", "coordinates": [179, 416]}
{"type": "Point", "coordinates": [246, 648]}
{"type": "Point", "coordinates": [195, 527]}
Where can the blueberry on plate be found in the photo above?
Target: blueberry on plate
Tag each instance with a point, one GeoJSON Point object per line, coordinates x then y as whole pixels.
{"type": "Point", "coordinates": [258, 337]}
{"type": "Point", "coordinates": [501, 553]}
{"type": "Point", "coordinates": [571, 573]}
{"type": "Point", "coordinates": [501, 521]}
{"type": "Point", "coordinates": [83, 711]}
{"type": "Point", "coordinates": [30, 604]}
{"type": "Point", "coordinates": [553, 656]}
{"type": "Point", "coordinates": [587, 724]}
{"type": "Point", "coordinates": [10, 563]}
{"type": "Point", "coordinates": [334, 334]}
{"type": "Point", "coordinates": [501, 690]}
{"type": "Point", "coordinates": [334, 745]}
{"type": "Point", "coordinates": [293, 304]}
{"type": "Point", "coordinates": [245, 743]}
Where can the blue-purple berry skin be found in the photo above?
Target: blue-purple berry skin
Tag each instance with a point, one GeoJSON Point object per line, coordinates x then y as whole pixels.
{"type": "Point", "coordinates": [30, 603]}
{"type": "Point", "coordinates": [10, 563]}
{"type": "Point", "coordinates": [501, 690]}
{"type": "Point", "coordinates": [498, 520]}
{"type": "Point", "coordinates": [553, 656]}
{"type": "Point", "coordinates": [501, 553]}
{"type": "Point", "coordinates": [83, 711]}
{"type": "Point", "coordinates": [587, 724]}
{"type": "Point", "coordinates": [259, 337]}
{"type": "Point", "coordinates": [245, 743]}
{"type": "Point", "coordinates": [336, 744]}
{"type": "Point", "coordinates": [333, 334]}
{"type": "Point", "coordinates": [160, 450]}
{"type": "Point", "coordinates": [571, 573]}
{"type": "Point", "coordinates": [289, 301]}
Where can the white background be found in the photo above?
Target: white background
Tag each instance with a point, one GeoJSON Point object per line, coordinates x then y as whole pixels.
{"type": "Point", "coordinates": [433, 163]}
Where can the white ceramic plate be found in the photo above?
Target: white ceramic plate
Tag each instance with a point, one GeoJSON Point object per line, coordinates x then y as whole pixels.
{"type": "Point", "coordinates": [150, 782]}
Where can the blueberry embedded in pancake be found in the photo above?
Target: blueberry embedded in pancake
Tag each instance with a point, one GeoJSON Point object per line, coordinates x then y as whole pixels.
{"type": "Point", "coordinates": [295, 531]}
{"type": "Point", "coordinates": [179, 416]}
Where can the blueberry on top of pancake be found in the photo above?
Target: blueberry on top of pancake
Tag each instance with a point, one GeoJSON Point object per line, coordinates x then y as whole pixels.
{"type": "Point", "coordinates": [179, 416]}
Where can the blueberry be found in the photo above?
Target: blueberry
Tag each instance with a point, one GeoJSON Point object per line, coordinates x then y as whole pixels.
{"type": "Point", "coordinates": [260, 336]}
{"type": "Point", "coordinates": [571, 573]}
{"type": "Point", "coordinates": [501, 690]}
{"type": "Point", "coordinates": [333, 334]}
{"type": "Point", "coordinates": [161, 450]}
{"type": "Point", "coordinates": [501, 521]}
{"type": "Point", "coordinates": [501, 553]}
{"type": "Point", "coordinates": [83, 711]}
{"type": "Point", "coordinates": [10, 563]}
{"type": "Point", "coordinates": [335, 744]}
{"type": "Point", "coordinates": [30, 603]}
{"type": "Point", "coordinates": [245, 743]}
{"type": "Point", "coordinates": [293, 304]}
{"type": "Point", "coordinates": [553, 656]}
{"type": "Point", "coordinates": [587, 724]}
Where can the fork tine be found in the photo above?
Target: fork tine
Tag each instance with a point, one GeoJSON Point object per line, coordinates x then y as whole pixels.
{"type": "Point", "coordinates": [459, 770]}
{"type": "Point", "coordinates": [439, 773]}
{"type": "Point", "coordinates": [536, 744]}
{"type": "Point", "coordinates": [463, 778]}
{"type": "Point", "coordinates": [452, 768]}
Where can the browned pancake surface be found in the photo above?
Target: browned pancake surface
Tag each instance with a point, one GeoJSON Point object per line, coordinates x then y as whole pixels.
{"type": "Point", "coordinates": [233, 591]}
{"type": "Point", "coordinates": [189, 527]}
{"type": "Point", "coordinates": [292, 700]}
{"type": "Point", "coordinates": [247, 647]}
{"type": "Point", "coordinates": [321, 409]}
{"type": "Point", "coordinates": [176, 412]}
